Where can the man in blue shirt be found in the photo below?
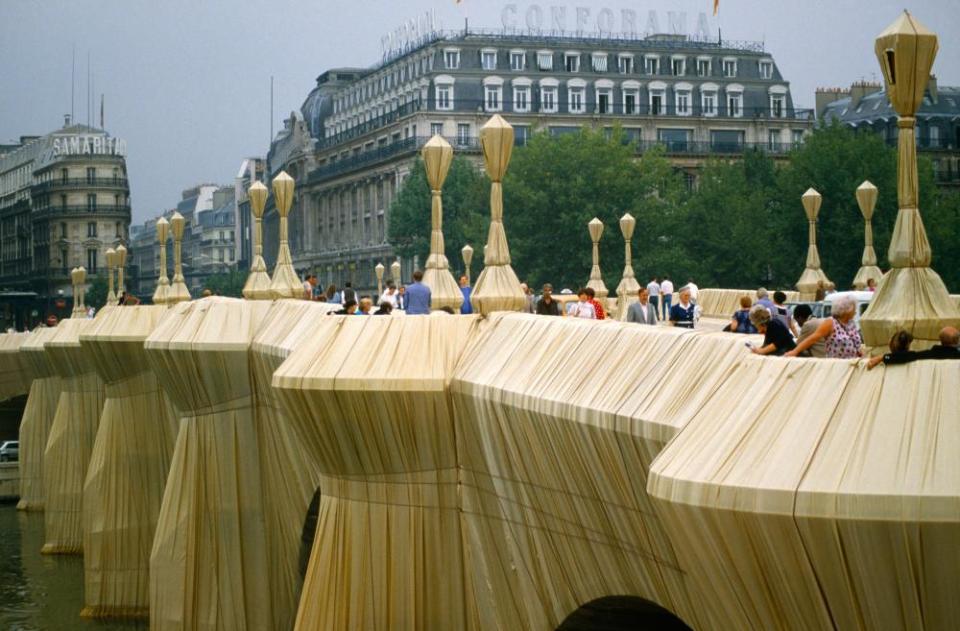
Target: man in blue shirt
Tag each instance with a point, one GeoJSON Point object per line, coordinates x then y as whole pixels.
{"type": "Point", "coordinates": [466, 290]}
{"type": "Point", "coordinates": [418, 296]}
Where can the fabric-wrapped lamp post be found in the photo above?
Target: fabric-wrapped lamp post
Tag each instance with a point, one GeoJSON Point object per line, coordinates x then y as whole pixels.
{"type": "Point", "coordinates": [257, 286]}
{"type": "Point", "coordinates": [77, 278]}
{"type": "Point", "coordinates": [285, 283]}
{"type": "Point", "coordinates": [467, 254]}
{"type": "Point", "coordinates": [595, 228]}
{"type": "Point", "coordinates": [497, 288]}
{"type": "Point", "coordinates": [111, 256]}
{"type": "Point", "coordinates": [178, 290]}
{"type": "Point", "coordinates": [628, 287]}
{"type": "Point", "coordinates": [121, 264]}
{"type": "Point", "coordinates": [867, 200]}
{"type": "Point", "coordinates": [161, 293]}
{"type": "Point", "coordinates": [912, 296]}
{"type": "Point", "coordinates": [437, 157]}
{"type": "Point", "coordinates": [812, 274]}
{"type": "Point", "coordinates": [395, 272]}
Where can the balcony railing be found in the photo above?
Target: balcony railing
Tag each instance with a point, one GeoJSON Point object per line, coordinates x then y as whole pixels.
{"type": "Point", "coordinates": [76, 211]}
{"type": "Point", "coordinates": [471, 144]}
{"type": "Point", "coordinates": [81, 182]}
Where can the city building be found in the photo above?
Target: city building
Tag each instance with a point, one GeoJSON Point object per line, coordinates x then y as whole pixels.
{"type": "Point", "coordinates": [865, 106]}
{"type": "Point", "coordinates": [359, 130]}
{"type": "Point", "coordinates": [64, 200]}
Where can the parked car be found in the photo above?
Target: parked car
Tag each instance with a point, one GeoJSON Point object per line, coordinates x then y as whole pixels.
{"type": "Point", "coordinates": [10, 451]}
{"type": "Point", "coordinates": [862, 298]}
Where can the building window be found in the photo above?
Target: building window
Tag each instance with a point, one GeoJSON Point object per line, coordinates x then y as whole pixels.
{"type": "Point", "coordinates": [797, 137]}
{"type": "Point", "coordinates": [493, 96]}
{"type": "Point", "coordinates": [91, 201]}
{"type": "Point", "coordinates": [64, 260]}
{"type": "Point", "coordinates": [545, 60]}
{"type": "Point", "coordinates": [766, 69]}
{"type": "Point", "coordinates": [119, 234]}
{"type": "Point", "coordinates": [726, 140]}
{"type": "Point", "coordinates": [735, 104]}
{"type": "Point", "coordinates": [777, 109]}
{"type": "Point", "coordinates": [676, 140]}
{"type": "Point", "coordinates": [518, 60]}
{"type": "Point", "coordinates": [64, 175]}
{"type": "Point", "coordinates": [451, 59]}
{"type": "Point", "coordinates": [548, 99]}
{"type": "Point", "coordinates": [679, 66]}
{"type": "Point", "coordinates": [92, 260]}
{"type": "Point", "coordinates": [436, 129]}
{"type": "Point", "coordinates": [604, 100]}
{"type": "Point", "coordinates": [91, 228]}
{"type": "Point", "coordinates": [63, 201]}
{"type": "Point", "coordinates": [445, 97]}
{"type": "Point", "coordinates": [521, 98]}
{"type": "Point", "coordinates": [463, 133]}
{"type": "Point", "coordinates": [625, 64]}
{"type": "Point", "coordinates": [773, 140]}
{"type": "Point", "coordinates": [651, 65]}
{"type": "Point", "coordinates": [730, 67]}
{"type": "Point", "coordinates": [657, 98]}
{"type": "Point", "coordinates": [521, 133]}
{"type": "Point", "coordinates": [709, 103]}
{"type": "Point", "coordinates": [703, 67]}
{"type": "Point", "coordinates": [683, 102]}
{"type": "Point", "coordinates": [488, 59]}
{"type": "Point", "coordinates": [630, 100]}
{"type": "Point", "coordinates": [91, 174]}
{"type": "Point", "coordinates": [599, 62]}
{"type": "Point", "coordinates": [575, 100]}
{"type": "Point", "coordinates": [571, 62]}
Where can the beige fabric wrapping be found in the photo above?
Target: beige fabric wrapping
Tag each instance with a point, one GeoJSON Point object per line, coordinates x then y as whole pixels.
{"type": "Point", "coordinates": [72, 434]}
{"type": "Point", "coordinates": [369, 396]}
{"type": "Point", "coordinates": [914, 299]}
{"type": "Point", "coordinates": [14, 379]}
{"type": "Point", "coordinates": [221, 558]}
{"type": "Point", "coordinates": [128, 466]}
{"type": "Point", "coordinates": [812, 494]}
{"type": "Point", "coordinates": [37, 417]}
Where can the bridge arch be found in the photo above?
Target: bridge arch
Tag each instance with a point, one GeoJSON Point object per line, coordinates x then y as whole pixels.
{"type": "Point", "coordinates": [622, 613]}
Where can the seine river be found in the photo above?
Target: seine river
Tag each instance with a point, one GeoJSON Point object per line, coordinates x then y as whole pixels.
{"type": "Point", "coordinates": [40, 592]}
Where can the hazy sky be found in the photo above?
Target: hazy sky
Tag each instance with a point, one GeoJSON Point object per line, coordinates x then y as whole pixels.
{"type": "Point", "coordinates": [187, 81]}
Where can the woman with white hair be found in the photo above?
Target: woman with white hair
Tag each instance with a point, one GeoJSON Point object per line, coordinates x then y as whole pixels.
{"type": "Point", "coordinates": [839, 332]}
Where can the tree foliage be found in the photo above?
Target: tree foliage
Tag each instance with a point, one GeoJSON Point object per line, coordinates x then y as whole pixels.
{"type": "Point", "coordinates": [96, 295]}
{"type": "Point", "coordinates": [743, 226]}
{"type": "Point", "coordinates": [229, 284]}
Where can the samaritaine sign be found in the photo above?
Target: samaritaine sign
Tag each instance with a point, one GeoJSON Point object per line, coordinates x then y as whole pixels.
{"type": "Point", "coordinates": [88, 145]}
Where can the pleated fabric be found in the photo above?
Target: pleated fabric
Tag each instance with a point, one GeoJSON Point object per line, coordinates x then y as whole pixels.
{"type": "Point", "coordinates": [14, 379]}
{"type": "Point", "coordinates": [369, 396]}
{"type": "Point", "coordinates": [913, 299]}
{"type": "Point", "coordinates": [37, 417]}
{"type": "Point", "coordinates": [128, 467]}
{"type": "Point", "coordinates": [71, 439]}
{"type": "Point", "coordinates": [227, 542]}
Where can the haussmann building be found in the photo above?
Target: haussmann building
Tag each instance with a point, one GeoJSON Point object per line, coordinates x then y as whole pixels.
{"type": "Point", "coordinates": [357, 134]}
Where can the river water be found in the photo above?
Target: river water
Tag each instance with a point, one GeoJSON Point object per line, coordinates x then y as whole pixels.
{"type": "Point", "coordinates": [41, 592]}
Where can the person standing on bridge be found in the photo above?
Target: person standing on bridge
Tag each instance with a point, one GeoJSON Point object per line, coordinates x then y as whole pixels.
{"type": "Point", "coordinates": [666, 296]}
{"type": "Point", "coordinates": [418, 296]}
{"type": "Point", "coordinates": [642, 312]}
{"type": "Point", "coordinates": [653, 288]}
{"type": "Point", "coordinates": [683, 313]}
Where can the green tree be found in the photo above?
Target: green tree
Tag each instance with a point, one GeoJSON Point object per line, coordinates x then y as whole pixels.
{"type": "Point", "coordinates": [465, 217]}
{"type": "Point", "coordinates": [227, 284]}
{"type": "Point", "coordinates": [96, 295]}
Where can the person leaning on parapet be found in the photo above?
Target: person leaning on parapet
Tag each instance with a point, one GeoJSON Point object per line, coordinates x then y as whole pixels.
{"type": "Point", "coordinates": [366, 306]}
{"type": "Point", "coordinates": [777, 339]}
{"type": "Point", "coordinates": [385, 308]}
{"type": "Point", "coordinates": [390, 295]}
{"type": "Point", "coordinates": [782, 312]}
{"type": "Point", "coordinates": [839, 332]}
{"type": "Point", "coordinates": [642, 312]}
{"type": "Point", "coordinates": [349, 308]}
{"type": "Point", "coordinates": [948, 348]}
{"type": "Point", "coordinates": [740, 323]}
{"type": "Point", "coordinates": [332, 294]}
{"type": "Point", "coordinates": [683, 313]}
{"type": "Point", "coordinates": [803, 315]}
{"type": "Point", "coordinates": [694, 291]}
{"type": "Point", "coordinates": [654, 288]}
{"type": "Point", "coordinates": [547, 305]}
{"type": "Point", "coordinates": [666, 296]}
{"type": "Point", "coordinates": [529, 298]}
{"type": "Point", "coordinates": [418, 296]}
{"type": "Point", "coordinates": [466, 291]}
{"type": "Point", "coordinates": [601, 313]}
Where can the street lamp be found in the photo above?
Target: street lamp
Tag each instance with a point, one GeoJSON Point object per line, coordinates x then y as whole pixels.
{"type": "Point", "coordinates": [257, 286]}
{"type": "Point", "coordinates": [467, 253]}
{"type": "Point", "coordinates": [379, 270]}
{"type": "Point", "coordinates": [595, 227]}
{"type": "Point", "coordinates": [111, 256]}
{"type": "Point", "coordinates": [437, 157]}
{"type": "Point", "coordinates": [812, 274]}
{"type": "Point", "coordinates": [285, 283]}
{"type": "Point", "coordinates": [121, 264]}
{"type": "Point", "coordinates": [867, 200]}
{"type": "Point", "coordinates": [628, 287]}
{"type": "Point", "coordinates": [178, 289]}
{"type": "Point", "coordinates": [161, 293]}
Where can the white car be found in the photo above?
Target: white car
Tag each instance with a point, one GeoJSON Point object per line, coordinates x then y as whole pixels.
{"type": "Point", "coordinates": [10, 451]}
{"type": "Point", "coordinates": [862, 298]}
